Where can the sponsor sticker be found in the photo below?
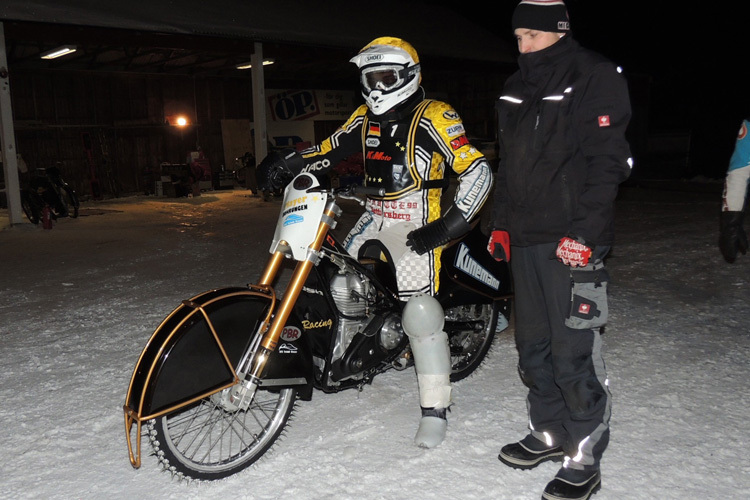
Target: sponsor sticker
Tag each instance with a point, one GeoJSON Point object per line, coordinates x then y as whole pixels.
{"type": "Point", "coordinates": [293, 219]}
{"type": "Point", "coordinates": [467, 264]}
{"type": "Point", "coordinates": [288, 349]}
{"type": "Point", "coordinates": [290, 333]}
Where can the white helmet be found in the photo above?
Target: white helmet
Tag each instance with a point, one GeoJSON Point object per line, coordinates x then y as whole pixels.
{"type": "Point", "coordinates": [389, 73]}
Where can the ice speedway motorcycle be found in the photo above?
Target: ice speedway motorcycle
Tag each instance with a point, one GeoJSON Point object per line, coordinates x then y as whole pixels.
{"type": "Point", "coordinates": [216, 383]}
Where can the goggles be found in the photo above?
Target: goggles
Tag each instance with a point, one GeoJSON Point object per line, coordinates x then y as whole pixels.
{"type": "Point", "coordinates": [386, 78]}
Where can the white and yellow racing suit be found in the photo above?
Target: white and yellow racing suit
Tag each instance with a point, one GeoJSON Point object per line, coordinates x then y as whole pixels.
{"type": "Point", "coordinates": [407, 152]}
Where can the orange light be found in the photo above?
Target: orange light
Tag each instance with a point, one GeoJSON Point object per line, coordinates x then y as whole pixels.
{"type": "Point", "coordinates": [181, 121]}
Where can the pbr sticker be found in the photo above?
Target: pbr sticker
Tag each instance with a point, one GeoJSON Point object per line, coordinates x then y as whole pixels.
{"type": "Point", "coordinates": [467, 264]}
{"type": "Point", "coordinates": [290, 333]}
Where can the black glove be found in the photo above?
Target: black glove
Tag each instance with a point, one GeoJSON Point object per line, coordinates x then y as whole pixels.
{"type": "Point", "coordinates": [278, 168]}
{"type": "Point", "coordinates": [732, 237]}
{"type": "Point", "coordinates": [438, 232]}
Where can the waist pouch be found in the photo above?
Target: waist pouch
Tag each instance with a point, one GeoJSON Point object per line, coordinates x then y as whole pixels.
{"type": "Point", "coordinates": [588, 297]}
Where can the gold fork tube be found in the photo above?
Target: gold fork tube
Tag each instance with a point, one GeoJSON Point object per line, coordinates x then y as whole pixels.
{"type": "Point", "coordinates": [271, 338]}
{"type": "Point", "coordinates": [274, 263]}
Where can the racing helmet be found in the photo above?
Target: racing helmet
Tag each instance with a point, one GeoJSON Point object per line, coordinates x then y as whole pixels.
{"type": "Point", "coordinates": [389, 73]}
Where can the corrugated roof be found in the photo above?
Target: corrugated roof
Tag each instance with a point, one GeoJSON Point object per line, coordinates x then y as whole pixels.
{"type": "Point", "coordinates": [435, 30]}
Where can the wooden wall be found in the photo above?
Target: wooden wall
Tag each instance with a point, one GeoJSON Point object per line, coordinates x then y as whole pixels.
{"type": "Point", "coordinates": [123, 116]}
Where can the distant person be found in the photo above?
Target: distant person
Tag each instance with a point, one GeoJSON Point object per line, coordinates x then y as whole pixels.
{"type": "Point", "coordinates": [732, 236]}
{"type": "Point", "coordinates": [562, 154]}
{"type": "Point", "coordinates": [249, 164]}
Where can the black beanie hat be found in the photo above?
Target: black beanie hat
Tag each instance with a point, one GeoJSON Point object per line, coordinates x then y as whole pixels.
{"type": "Point", "coordinates": [541, 15]}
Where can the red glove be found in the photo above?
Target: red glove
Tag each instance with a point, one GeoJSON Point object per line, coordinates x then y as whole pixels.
{"type": "Point", "coordinates": [499, 245]}
{"type": "Point", "coordinates": [572, 252]}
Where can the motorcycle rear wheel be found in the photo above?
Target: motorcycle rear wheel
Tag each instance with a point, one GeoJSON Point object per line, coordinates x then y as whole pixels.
{"type": "Point", "coordinates": [207, 442]}
{"type": "Point", "coordinates": [469, 347]}
{"type": "Point", "coordinates": [69, 198]}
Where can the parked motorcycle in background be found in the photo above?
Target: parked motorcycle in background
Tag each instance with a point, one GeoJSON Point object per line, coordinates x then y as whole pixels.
{"type": "Point", "coordinates": [215, 385]}
{"type": "Point", "coordinates": [47, 195]}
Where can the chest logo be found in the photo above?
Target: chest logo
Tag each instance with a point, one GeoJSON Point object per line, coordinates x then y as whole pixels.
{"type": "Point", "coordinates": [373, 129]}
{"type": "Point", "coordinates": [378, 155]}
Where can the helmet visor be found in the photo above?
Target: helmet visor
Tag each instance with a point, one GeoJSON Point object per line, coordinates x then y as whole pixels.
{"type": "Point", "coordinates": [383, 78]}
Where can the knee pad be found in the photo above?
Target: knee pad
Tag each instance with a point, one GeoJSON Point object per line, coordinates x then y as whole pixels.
{"type": "Point", "coordinates": [422, 316]}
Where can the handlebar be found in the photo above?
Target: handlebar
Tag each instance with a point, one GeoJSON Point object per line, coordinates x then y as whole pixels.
{"type": "Point", "coordinates": [367, 190]}
{"type": "Point", "coordinates": [354, 191]}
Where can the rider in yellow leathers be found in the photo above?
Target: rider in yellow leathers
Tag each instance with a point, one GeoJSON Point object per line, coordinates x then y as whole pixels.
{"type": "Point", "coordinates": [408, 144]}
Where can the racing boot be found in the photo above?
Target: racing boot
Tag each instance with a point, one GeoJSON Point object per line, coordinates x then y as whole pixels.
{"type": "Point", "coordinates": [423, 320]}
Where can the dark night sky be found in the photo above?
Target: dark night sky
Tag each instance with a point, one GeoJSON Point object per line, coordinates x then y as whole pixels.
{"type": "Point", "coordinates": [691, 53]}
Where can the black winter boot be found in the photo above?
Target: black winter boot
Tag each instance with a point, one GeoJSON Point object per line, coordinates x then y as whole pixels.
{"type": "Point", "coordinates": [528, 453]}
{"type": "Point", "coordinates": [571, 484]}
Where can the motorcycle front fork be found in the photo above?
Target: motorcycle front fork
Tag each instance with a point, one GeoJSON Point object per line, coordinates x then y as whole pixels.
{"type": "Point", "coordinates": [250, 368]}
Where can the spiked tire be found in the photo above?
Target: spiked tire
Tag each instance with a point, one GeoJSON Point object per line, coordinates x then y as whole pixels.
{"type": "Point", "coordinates": [207, 442]}
{"type": "Point", "coordinates": [471, 330]}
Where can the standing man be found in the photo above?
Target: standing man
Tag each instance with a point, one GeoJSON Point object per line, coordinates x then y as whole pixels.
{"type": "Point", "coordinates": [732, 236]}
{"type": "Point", "coordinates": [408, 144]}
{"type": "Point", "coordinates": [562, 150]}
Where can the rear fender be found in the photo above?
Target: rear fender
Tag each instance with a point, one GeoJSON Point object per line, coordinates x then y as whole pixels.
{"type": "Point", "coordinates": [470, 275]}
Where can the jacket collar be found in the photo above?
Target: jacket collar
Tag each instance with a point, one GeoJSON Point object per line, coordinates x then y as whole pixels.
{"type": "Point", "coordinates": [536, 65]}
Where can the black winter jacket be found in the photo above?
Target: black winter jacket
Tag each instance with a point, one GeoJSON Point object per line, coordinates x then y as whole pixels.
{"type": "Point", "coordinates": [562, 147]}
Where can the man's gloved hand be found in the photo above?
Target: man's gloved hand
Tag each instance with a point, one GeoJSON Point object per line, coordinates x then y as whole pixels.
{"type": "Point", "coordinates": [732, 237]}
{"type": "Point", "coordinates": [438, 232]}
{"type": "Point", "coordinates": [277, 169]}
{"type": "Point", "coordinates": [499, 245]}
{"type": "Point", "coordinates": [573, 252]}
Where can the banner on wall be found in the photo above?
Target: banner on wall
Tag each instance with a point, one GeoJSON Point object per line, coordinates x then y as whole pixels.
{"type": "Point", "coordinates": [303, 105]}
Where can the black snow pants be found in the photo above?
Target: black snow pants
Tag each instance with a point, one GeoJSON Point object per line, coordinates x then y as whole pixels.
{"type": "Point", "coordinates": [569, 402]}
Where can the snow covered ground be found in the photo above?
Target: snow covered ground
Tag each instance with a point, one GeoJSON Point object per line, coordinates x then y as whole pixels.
{"type": "Point", "coordinates": [78, 302]}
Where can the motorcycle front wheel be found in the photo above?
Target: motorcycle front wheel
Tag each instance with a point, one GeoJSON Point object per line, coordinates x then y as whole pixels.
{"type": "Point", "coordinates": [471, 330]}
{"type": "Point", "coordinates": [205, 441]}
{"type": "Point", "coordinates": [30, 206]}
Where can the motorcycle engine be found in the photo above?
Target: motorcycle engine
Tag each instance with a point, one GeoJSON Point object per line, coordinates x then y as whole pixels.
{"type": "Point", "coordinates": [350, 292]}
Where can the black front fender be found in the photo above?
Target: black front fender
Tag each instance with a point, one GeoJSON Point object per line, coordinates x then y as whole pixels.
{"type": "Point", "coordinates": [196, 349]}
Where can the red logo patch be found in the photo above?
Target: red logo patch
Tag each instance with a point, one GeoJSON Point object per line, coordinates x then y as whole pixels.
{"type": "Point", "coordinates": [459, 142]}
{"type": "Point", "coordinates": [604, 121]}
{"type": "Point", "coordinates": [584, 308]}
